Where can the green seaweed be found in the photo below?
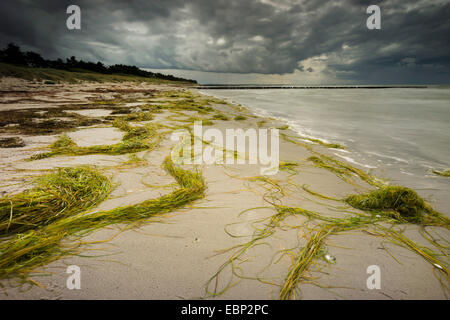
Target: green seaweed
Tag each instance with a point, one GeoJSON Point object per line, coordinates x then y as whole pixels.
{"type": "Point", "coordinates": [135, 139]}
{"type": "Point", "coordinates": [444, 173]}
{"type": "Point", "coordinates": [57, 195]}
{"type": "Point", "coordinates": [23, 253]}
{"type": "Point", "coordinates": [13, 142]}
{"type": "Point", "coordinates": [343, 170]}
{"type": "Point", "coordinates": [220, 116]}
{"type": "Point", "coordinates": [289, 166]}
{"type": "Point", "coordinates": [401, 202]}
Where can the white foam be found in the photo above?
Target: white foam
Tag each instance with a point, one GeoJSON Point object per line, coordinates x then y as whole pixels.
{"type": "Point", "coordinates": [388, 157]}
{"type": "Point", "coordinates": [351, 160]}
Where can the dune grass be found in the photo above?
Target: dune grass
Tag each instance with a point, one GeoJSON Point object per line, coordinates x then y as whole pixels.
{"type": "Point", "coordinates": [54, 76]}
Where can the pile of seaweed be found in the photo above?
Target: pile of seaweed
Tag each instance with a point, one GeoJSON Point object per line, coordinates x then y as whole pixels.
{"type": "Point", "coordinates": [61, 194]}
{"type": "Point", "coordinates": [403, 204]}
{"type": "Point", "coordinates": [44, 224]}
{"type": "Point", "coordinates": [135, 139]}
{"type": "Point", "coordinates": [444, 173]}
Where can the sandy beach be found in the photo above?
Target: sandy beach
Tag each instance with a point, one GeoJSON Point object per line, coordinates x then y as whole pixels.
{"type": "Point", "coordinates": [232, 243]}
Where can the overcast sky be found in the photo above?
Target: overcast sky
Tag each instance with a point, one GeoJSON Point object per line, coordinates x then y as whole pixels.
{"type": "Point", "coordinates": [245, 41]}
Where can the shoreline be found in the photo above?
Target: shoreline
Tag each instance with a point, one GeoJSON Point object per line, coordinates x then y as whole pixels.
{"type": "Point", "coordinates": [413, 169]}
{"type": "Point", "coordinates": [174, 256]}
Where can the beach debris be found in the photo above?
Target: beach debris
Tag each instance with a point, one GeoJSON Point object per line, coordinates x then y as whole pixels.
{"type": "Point", "coordinates": [329, 258]}
{"type": "Point", "coordinates": [444, 173]}
{"type": "Point", "coordinates": [135, 139]}
{"type": "Point", "coordinates": [37, 122]}
{"type": "Point", "coordinates": [438, 266]}
{"type": "Point", "coordinates": [311, 140]}
{"type": "Point", "coordinates": [26, 250]}
{"type": "Point", "coordinates": [136, 110]}
{"type": "Point", "coordinates": [343, 170]}
{"type": "Point", "coordinates": [240, 118]}
{"type": "Point", "coordinates": [397, 201]}
{"type": "Point", "coordinates": [288, 166]}
{"type": "Point", "coordinates": [261, 123]}
{"type": "Point", "coordinates": [220, 116]}
{"type": "Point", "coordinates": [63, 193]}
{"type": "Point", "coordinates": [13, 142]}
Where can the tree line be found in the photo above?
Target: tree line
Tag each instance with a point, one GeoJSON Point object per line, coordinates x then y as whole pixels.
{"type": "Point", "coordinates": [12, 54]}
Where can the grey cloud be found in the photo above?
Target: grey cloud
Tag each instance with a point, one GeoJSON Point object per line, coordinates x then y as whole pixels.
{"type": "Point", "coordinates": [243, 36]}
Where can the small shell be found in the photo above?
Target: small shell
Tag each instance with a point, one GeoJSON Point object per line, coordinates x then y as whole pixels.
{"type": "Point", "coordinates": [329, 258]}
{"type": "Point", "coordinates": [438, 266]}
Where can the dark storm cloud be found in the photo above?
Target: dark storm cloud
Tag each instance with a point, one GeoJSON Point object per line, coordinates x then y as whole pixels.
{"type": "Point", "coordinates": [244, 36]}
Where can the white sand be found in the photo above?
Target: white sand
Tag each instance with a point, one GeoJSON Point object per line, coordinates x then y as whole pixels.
{"type": "Point", "coordinates": [96, 136]}
{"type": "Point", "coordinates": [92, 112]}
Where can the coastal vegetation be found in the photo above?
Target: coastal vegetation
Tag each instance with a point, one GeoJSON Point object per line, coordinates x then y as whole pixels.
{"type": "Point", "coordinates": [34, 66]}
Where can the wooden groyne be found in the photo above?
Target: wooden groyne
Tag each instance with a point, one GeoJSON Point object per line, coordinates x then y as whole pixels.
{"type": "Point", "coordinates": [235, 87]}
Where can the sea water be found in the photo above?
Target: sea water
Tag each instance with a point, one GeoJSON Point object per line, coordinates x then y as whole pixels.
{"type": "Point", "coordinates": [399, 134]}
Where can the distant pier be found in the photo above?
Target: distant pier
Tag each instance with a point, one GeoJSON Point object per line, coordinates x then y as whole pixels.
{"type": "Point", "coordinates": [235, 87]}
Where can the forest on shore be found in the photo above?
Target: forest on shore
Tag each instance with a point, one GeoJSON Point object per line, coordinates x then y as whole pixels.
{"type": "Point", "coordinates": [12, 54]}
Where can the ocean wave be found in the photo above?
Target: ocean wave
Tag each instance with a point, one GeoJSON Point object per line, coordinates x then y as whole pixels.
{"type": "Point", "coordinates": [388, 157]}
